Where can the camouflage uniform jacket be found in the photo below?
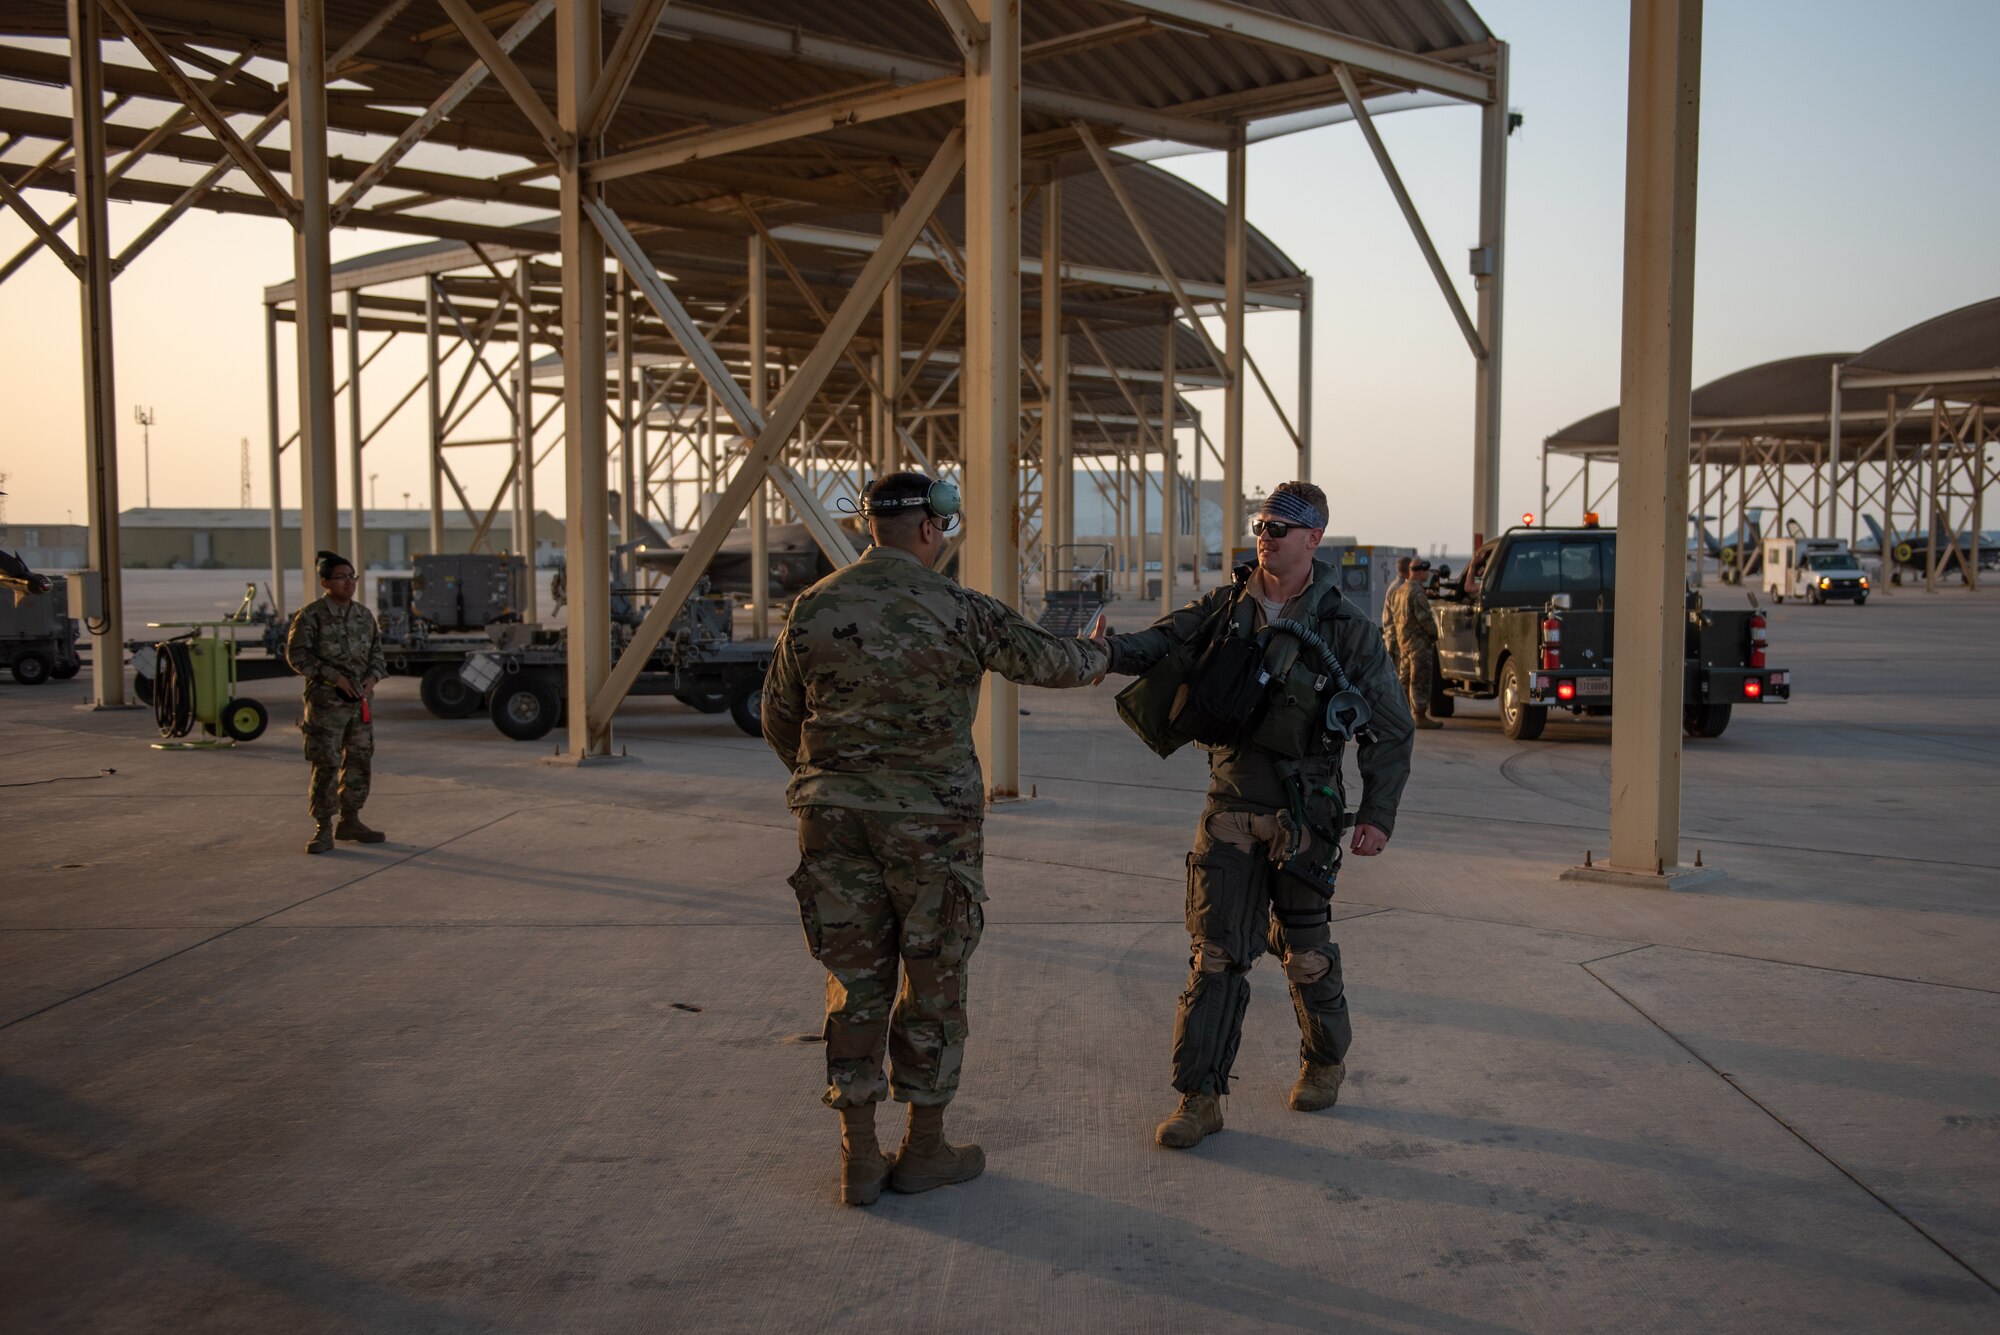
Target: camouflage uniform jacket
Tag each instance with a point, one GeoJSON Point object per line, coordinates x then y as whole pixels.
{"type": "Point", "coordinates": [1247, 778]}
{"type": "Point", "coordinates": [1416, 626]}
{"type": "Point", "coordinates": [873, 685]}
{"type": "Point", "coordinates": [327, 640]}
{"type": "Point", "coordinates": [1392, 612]}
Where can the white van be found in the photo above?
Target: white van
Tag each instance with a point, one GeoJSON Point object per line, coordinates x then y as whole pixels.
{"type": "Point", "coordinates": [1819, 570]}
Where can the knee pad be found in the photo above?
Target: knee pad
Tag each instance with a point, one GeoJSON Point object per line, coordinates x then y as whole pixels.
{"type": "Point", "coordinates": [1210, 957]}
{"type": "Point", "coordinates": [1306, 967]}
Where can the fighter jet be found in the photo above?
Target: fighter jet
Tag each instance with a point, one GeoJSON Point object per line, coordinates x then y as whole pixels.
{"type": "Point", "coordinates": [796, 560]}
{"type": "Point", "coordinates": [1910, 548]}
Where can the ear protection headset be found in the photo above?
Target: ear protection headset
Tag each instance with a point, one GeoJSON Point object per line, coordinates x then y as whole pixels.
{"type": "Point", "coordinates": [941, 499]}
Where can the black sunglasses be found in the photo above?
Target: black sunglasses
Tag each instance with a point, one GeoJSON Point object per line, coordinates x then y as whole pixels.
{"type": "Point", "coordinates": [1276, 528]}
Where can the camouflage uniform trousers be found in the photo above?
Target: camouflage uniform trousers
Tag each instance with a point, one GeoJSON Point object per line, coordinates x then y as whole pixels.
{"type": "Point", "coordinates": [1237, 907]}
{"type": "Point", "coordinates": [1413, 669]}
{"type": "Point", "coordinates": [878, 891]}
{"type": "Point", "coordinates": [341, 749]}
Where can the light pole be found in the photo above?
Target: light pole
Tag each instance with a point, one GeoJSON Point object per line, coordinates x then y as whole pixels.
{"type": "Point", "coordinates": [145, 417]}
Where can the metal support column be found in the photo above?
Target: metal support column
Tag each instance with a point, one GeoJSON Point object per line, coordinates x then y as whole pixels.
{"type": "Point", "coordinates": [1170, 475]}
{"type": "Point", "coordinates": [357, 523]}
{"type": "Point", "coordinates": [524, 381]}
{"type": "Point", "coordinates": [760, 500]}
{"type": "Point", "coordinates": [1235, 259]}
{"type": "Point", "coordinates": [100, 414]}
{"type": "Point", "coordinates": [891, 368]}
{"type": "Point", "coordinates": [1488, 265]}
{"type": "Point", "coordinates": [579, 54]}
{"type": "Point", "coordinates": [1055, 432]}
{"type": "Point", "coordinates": [312, 305]}
{"type": "Point", "coordinates": [1064, 443]}
{"type": "Point", "coordinates": [276, 451]}
{"type": "Point", "coordinates": [1305, 392]}
{"type": "Point", "coordinates": [434, 413]}
{"type": "Point", "coordinates": [628, 472]}
{"type": "Point", "coordinates": [990, 556]}
{"type": "Point", "coordinates": [1660, 179]}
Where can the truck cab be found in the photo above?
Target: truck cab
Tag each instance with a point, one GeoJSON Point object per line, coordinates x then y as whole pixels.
{"type": "Point", "coordinates": [1817, 570]}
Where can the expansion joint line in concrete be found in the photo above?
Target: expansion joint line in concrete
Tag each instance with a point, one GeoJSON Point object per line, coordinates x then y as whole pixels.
{"type": "Point", "coordinates": [1797, 1134]}
{"type": "Point", "coordinates": [262, 917]}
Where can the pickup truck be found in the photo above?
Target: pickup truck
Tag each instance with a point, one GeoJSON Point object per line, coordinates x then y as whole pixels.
{"type": "Point", "coordinates": [1531, 623]}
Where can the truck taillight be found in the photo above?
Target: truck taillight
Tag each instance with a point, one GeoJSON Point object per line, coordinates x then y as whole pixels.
{"type": "Point", "coordinates": [1758, 640]}
{"type": "Point", "coordinates": [1565, 689]}
{"type": "Point", "coordinates": [1552, 642]}
{"type": "Point", "coordinates": [1753, 689]}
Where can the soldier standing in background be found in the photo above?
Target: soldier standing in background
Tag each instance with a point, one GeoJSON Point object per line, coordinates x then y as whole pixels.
{"type": "Point", "coordinates": [1416, 637]}
{"type": "Point", "coordinates": [1392, 603]}
{"type": "Point", "coordinates": [869, 701]}
{"type": "Point", "coordinates": [336, 646]}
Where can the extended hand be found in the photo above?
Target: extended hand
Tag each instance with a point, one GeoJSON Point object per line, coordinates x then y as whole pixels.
{"type": "Point", "coordinates": [1368, 841]}
{"type": "Point", "coordinates": [1097, 629]}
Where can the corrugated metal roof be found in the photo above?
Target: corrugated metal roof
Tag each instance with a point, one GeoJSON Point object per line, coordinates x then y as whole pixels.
{"type": "Point", "coordinates": [750, 60]}
{"type": "Point", "coordinates": [1966, 339]}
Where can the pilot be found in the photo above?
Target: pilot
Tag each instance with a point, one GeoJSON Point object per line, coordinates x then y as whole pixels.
{"type": "Point", "coordinates": [1268, 846]}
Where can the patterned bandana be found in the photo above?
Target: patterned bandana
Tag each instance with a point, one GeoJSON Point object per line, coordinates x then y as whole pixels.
{"type": "Point", "coordinates": [1292, 508]}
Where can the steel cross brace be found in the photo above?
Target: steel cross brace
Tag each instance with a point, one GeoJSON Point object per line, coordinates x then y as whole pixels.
{"type": "Point", "coordinates": [770, 432]}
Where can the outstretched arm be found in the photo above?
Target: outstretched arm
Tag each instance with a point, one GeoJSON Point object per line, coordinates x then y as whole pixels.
{"type": "Point", "coordinates": [1021, 651]}
{"type": "Point", "coordinates": [785, 703]}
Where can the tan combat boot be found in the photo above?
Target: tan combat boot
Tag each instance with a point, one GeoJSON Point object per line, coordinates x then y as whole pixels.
{"type": "Point", "coordinates": [1318, 1086]}
{"type": "Point", "coordinates": [354, 831]}
{"type": "Point", "coordinates": [926, 1161]}
{"type": "Point", "coordinates": [1198, 1117]}
{"type": "Point", "coordinates": [322, 840]}
{"type": "Point", "coordinates": [862, 1167]}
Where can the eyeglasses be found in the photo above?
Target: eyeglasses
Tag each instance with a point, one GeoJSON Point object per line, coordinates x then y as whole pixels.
{"type": "Point", "coordinates": [348, 578]}
{"type": "Point", "coordinates": [1274, 528]}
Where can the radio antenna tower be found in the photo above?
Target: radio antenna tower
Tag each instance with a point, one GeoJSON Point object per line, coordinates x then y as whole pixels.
{"type": "Point", "coordinates": [244, 500]}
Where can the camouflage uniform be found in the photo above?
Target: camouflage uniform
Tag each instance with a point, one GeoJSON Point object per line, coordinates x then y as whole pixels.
{"type": "Point", "coordinates": [869, 702]}
{"type": "Point", "coordinates": [1416, 641]}
{"type": "Point", "coordinates": [1237, 904]}
{"type": "Point", "coordinates": [1392, 610]}
{"type": "Point", "coordinates": [327, 640]}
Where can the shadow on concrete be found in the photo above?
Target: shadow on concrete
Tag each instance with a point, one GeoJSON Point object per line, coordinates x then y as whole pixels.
{"type": "Point", "coordinates": [1159, 1254]}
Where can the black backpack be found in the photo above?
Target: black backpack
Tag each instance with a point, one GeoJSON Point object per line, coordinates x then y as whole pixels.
{"type": "Point", "coordinates": [1219, 701]}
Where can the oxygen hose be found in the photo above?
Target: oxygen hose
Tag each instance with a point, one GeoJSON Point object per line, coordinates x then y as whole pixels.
{"type": "Point", "coordinates": [173, 688]}
{"type": "Point", "coordinates": [1329, 662]}
{"type": "Point", "coordinates": [1347, 713]}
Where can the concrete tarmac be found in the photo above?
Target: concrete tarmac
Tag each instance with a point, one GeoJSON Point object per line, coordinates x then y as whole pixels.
{"type": "Point", "coordinates": [548, 1060]}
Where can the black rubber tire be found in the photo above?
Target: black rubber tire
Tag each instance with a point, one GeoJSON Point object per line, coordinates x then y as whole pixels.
{"type": "Point", "coordinates": [1778, 598]}
{"type": "Point", "coordinates": [1442, 705]}
{"type": "Point", "coordinates": [33, 668]}
{"type": "Point", "coordinates": [142, 688]}
{"type": "Point", "coordinates": [746, 706]}
{"type": "Point", "coordinates": [526, 705]}
{"type": "Point", "coordinates": [65, 670]}
{"type": "Point", "coordinates": [244, 719]}
{"type": "Point", "coordinates": [1521, 721]}
{"type": "Point", "coordinates": [446, 695]}
{"type": "Point", "coordinates": [708, 702]}
{"type": "Point", "coordinates": [1705, 720]}
{"type": "Point", "coordinates": [1862, 599]}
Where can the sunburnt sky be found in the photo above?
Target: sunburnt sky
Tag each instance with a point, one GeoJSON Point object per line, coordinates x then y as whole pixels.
{"type": "Point", "coordinates": [1847, 190]}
